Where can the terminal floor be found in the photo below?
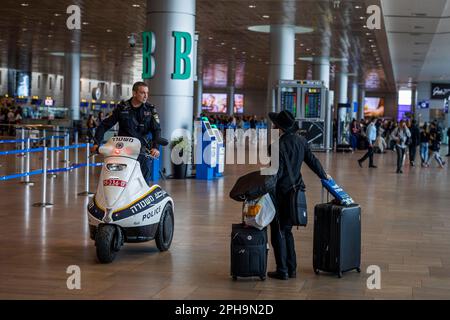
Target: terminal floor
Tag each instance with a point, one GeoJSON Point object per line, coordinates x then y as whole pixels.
{"type": "Point", "coordinates": [405, 231]}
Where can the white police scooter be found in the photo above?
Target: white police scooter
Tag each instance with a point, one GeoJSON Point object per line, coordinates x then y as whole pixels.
{"type": "Point", "coordinates": [125, 208]}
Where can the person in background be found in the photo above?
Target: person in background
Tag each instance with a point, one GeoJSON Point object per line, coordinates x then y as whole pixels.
{"type": "Point", "coordinates": [424, 144]}
{"type": "Point", "coordinates": [435, 145]}
{"type": "Point", "coordinates": [371, 136]}
{"type": "Point", "coordinates": [100, 118]}
{"type": "Point", "coordinates": [380, 144]}
{"type": "Point", "coordinates": [400, 135]}
{"type": "Point", "coordinates": [354, 131]}
{"type": "Point", "coordinates": [91, 125]}
{"type": "Point", "coordinates": [448, 135]}
{"type": "Point", "coordinates": [414, 142]}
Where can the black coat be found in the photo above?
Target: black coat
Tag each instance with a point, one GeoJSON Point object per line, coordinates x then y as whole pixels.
{"type": "Point", "coordinates": [133, 122]}
{"type": "Point", "coordinates": [415, 135]}
{"type": "Point", "coordinates": [294, 150]}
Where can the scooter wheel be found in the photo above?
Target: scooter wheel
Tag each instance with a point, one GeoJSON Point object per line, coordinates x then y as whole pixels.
{"type": "Point", "coordinates": [164, 235]}
{"type": "Point", "coordinates": [104, 241]}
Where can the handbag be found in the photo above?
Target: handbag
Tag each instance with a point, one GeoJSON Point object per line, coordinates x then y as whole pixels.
{"type": "Point", "coordinates": [298, 212]}
{"type": "Point", "coordinates": [259, 213]}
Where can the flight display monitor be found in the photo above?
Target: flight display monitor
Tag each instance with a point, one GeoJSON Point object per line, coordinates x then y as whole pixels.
{"type": "Point", "coordinates": [313, 102]}
{"type": "Point", "coordinates": [289, 100]}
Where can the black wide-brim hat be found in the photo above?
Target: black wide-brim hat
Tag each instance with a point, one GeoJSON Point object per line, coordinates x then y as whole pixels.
{"type": "Point", "coordinates": [283, 120]}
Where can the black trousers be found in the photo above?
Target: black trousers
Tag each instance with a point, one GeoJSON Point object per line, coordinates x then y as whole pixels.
{"type": "Point", "coordinates": [146, 168]}
{"type": "Point", "coordinates": [282, 238]}
{"type": "Point", "coordinates": [400, 155]}
{"type": "Point", "coordinates": [412, 153]}
{"type": "Point", "coordinates": [369, 155]}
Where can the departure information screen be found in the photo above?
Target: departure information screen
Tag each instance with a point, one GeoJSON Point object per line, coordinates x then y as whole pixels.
{"type": "Point", "coordinates": [313, 101]}
{"type": "Point", "coordinates": [289, 100]}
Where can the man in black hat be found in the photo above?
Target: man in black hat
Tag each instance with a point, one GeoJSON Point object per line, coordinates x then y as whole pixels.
{"type": "Point", "coordinates": [294, 150]}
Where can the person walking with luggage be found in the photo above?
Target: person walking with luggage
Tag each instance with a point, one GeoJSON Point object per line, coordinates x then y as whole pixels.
{"type": "Point", "coordinates": [293, 151]}
{"type": "Point", "coordinates": [400, 135]}
{"type": "Point", "coordinates": [413, 142]}
{"type": "Point", "coordinates": [371, 135]}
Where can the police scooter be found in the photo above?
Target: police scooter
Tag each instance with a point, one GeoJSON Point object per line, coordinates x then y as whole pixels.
{"type": "Point", "coordinates": [125, 208]}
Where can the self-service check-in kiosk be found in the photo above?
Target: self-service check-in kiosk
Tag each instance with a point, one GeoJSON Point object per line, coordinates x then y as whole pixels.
{"type": "Point", "coordinates": [205, 150]}
{"type": "Point", "coordinates": [220, 167]}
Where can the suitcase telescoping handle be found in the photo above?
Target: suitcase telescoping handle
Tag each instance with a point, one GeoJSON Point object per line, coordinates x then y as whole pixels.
{"type": "Point", "coordinates": [323, 195]}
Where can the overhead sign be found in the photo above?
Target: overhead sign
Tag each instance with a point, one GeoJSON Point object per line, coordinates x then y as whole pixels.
{"type": "Point", "coordinates": [440, 91]}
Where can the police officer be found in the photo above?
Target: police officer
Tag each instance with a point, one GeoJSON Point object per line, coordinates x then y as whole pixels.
{"type": "Point", "coordinates": [136, 119]}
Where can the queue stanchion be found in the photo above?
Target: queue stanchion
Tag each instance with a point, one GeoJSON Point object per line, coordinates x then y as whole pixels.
{"type": "Point", "coordinates": [65, 145]}
{"type": "Point", "coordinates": [44, 203]}
{"type": "Point", "coordinates": [44, 137]}
{"type": "Point", "coordinates": [27, 165]}
{"type": "Point", "coordinates": [76, 149]}
{"type": "Point", "coordinates": [86, 178]}
{"type": "Point", "coordinates": [52, 157]}
{"type": "Point", "coordinates": [22, 142]}
{"type": "Point", "coordinates": [57, 133]}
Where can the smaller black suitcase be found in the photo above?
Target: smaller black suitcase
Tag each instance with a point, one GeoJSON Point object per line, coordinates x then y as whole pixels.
{"type": "Point", "coordinates": [337, 238]}
{"type": "Point", "coordinates": [248, 252]}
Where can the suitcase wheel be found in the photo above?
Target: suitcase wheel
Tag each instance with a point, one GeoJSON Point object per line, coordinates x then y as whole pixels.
{"type": "Point", "coordinates": [262, 278]}
{"type": "Point", "coordinates": [234, 278]}
{"type": "Point", "coordinates": [340, 275]}
{"type": "Point", "coordinates": [316, 271]}
{"type": "Point", "coordinates": [358, 270]}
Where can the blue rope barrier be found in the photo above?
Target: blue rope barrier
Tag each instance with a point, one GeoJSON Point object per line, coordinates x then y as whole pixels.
{"type": "Point", "coordinates": [20, 175]}
{"type": "Point", "coordinates": [75, 146]}
{"type": "Point", "coordinates": [8, 152]}
{"type": "Point", "coordinates": [31, 140]}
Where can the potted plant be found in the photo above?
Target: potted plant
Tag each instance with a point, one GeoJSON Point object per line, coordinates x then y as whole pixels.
{"type": "Point", "coordinates": [181, 151]}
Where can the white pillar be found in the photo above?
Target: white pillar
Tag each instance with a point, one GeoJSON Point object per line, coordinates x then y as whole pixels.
{"type": "Point", "coordinates": [72, 70]}
{"type": "Point", "coordinates": [321, 70]}
{"type": "Point", "coordinates": [282, 58]}
{"type": "Point", "coordinates": [173, 97]}
{"type": "Point", "coordinates": [354, 98]}
{"type": "Point", "coordinates": [230, 109]}
{"type": "Point", "coordinates": [361, 99]}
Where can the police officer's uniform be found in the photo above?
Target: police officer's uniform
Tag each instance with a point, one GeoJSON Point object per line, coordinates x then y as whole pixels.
{"type": "Point", "coordinates": [137, 123]}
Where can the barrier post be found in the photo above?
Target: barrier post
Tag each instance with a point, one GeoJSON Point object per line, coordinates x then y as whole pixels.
{"type": "Point", "coordinates": [65, 145]}
{"type": "Point", "coordinates": [44, 204]}
{"type": "Point", "coordinates": [76, 149]}
{"type": "Point", "coordinates": [44, 136]}
{"type": "Point", "coordinates": [86, 178]}
{"type": "Point", "coordinates": [57, 133]}
{"type": "Point", "coordinates": [22, 143]}
{"type": "Point", "coordinates": [27, 166]}
{"type": "Point", "coordinates": [52, 157]}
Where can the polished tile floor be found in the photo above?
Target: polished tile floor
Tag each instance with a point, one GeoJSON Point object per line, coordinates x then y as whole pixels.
{"type": "Point", "coordinates": [405, 231]}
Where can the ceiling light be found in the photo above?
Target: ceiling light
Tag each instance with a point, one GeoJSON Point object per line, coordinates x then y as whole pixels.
{"type": "Point", "coordinates": [234, 48]}
{"type": "Point", "coordinates": [24, 4]}
{"type": "Point", "coordinates": [252, 6]}
{"type": "Point", "coordinates": [210, 38]}
{"type": "Point", "coordinates": [243, 52]}
{"type": "Point", "coordinates": [358, 7]}
{"type": "Point", "coordinates": [266, 16]}
{"type": "Point", "coordinates": [85, 23]}
{"type": "Point", "coordinates": [108, 30]}
{"type": "Point", "coordinates": [24, 29]}
{"type": "Point", "coordinates": [49, 36]}
{"type": "Point", "coordinates": [302, 44]}
{"type": "Point", "coordinates": [362, 18]}
{"type": "Point", "coordinates": [136, 5]}
{"type": "Point", "coordinates": [367, 34]}
{"type": "Point", "coordinates": [57, 14]}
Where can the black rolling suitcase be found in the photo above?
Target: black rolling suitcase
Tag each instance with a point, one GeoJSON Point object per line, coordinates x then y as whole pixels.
{"type": "Point", "coordinates": [337, 237]}
{"type": "Point", "coordinates": [248, 252]}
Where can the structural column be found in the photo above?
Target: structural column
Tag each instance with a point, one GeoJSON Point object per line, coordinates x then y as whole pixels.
{"type": "Point", "coordinates": [171, 93]}
{"type": "Point", "coordinates": [354, 98]}
{"type": "Point", "coordinates": [321, 70]}
{"type": "Point", "coordinates": [230, 107]}
{"type": "Point", "coordinates": [342, 94]}
{"type": "Point", "coordinates": [282, 58]}
{"type": "Point", "coordinates": [72, 64]}
{"type": "Point", "coordinates": [361, 100]}
{"type": "Point", "coordinates": [198, 87]}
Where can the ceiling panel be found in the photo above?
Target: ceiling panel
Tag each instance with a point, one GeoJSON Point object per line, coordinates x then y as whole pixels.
{"type": "Point", "coordinates": [226, 48]}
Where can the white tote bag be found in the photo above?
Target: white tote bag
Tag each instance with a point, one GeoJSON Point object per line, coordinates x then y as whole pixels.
{"type": "Point", "coordinates": [259, 213]}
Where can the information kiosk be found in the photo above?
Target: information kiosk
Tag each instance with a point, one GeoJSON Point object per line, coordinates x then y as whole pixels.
{"type": "Point", "coordinates": [220, 167]}
{"type": "Point", "coordinates": [205, 150]}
